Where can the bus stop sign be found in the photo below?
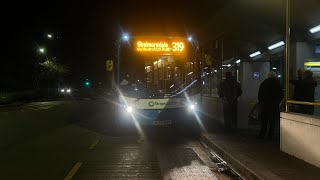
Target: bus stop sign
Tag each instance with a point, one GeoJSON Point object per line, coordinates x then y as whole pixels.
{"type": "Point", "coordinates": [256, 75]}
{"type": "Point", "coordinates": [109, 65]}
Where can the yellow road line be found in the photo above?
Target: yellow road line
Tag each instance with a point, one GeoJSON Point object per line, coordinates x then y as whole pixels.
{"type": "Point", "coordinates": [73, 171]}
{"type": "Point", "coordinates": [93, 145]}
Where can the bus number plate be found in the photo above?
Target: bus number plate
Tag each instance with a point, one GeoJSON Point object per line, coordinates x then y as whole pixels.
{"type": "Point", "coordinates": [164, 122]}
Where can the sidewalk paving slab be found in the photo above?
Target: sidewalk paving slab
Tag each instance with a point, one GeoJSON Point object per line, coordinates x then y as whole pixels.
{"type": "Point", "coordinates": [259, 159]}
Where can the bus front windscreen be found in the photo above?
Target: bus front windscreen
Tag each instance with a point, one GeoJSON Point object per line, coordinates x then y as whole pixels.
{"type": "Point", "coordinates": [158, 76]}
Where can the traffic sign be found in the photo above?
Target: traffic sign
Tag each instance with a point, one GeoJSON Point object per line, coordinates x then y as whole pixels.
{"type": "Point", "coordinates": [109, 65]}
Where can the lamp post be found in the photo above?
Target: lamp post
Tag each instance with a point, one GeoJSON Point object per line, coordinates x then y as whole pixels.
{"type": "Point", "coordinates": [41, 50]}
{"type": "Point", "coordinates": [49, 36]}
{"type": "Point", "coordinates": [125, 37]}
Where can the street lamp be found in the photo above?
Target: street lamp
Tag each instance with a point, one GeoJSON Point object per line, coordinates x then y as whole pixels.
{"type": "Point", "coordinates": [49, 36]}
{"type": "Point", "coordinates": [125, 37]}
{"type": "Point", "coordinates": [41, 50]}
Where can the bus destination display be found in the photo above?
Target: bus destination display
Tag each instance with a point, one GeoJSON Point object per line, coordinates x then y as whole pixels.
{"type": "Point", "coordinates": [160, 46]}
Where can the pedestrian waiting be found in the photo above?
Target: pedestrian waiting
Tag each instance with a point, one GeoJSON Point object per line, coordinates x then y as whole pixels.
{"type": "Point", "coordinates": [269, 96]}
{"type": "Point", "coordinates": [229, 90]}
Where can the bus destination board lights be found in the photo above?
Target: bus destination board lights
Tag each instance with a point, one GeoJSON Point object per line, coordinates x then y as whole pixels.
{"type": "Point", "coordinates": [160, 46]}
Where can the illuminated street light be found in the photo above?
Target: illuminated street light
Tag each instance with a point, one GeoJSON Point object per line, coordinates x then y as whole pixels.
{"type": "Point", "coordinates": [49, 36]}
{"type": "Point", "coordinates": [315, 29]}
{"type": "Point", "coordinates": [238, 61]}
{"type": "Point", "coordinates": [190, 38]}
{"type": "Point", "coordinates": [41, 50]}
{"type": "Point", "coordinates": [125, 37]}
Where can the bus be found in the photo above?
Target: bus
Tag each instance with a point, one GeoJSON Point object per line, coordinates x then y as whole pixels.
{"type": "Point", "coordinates": [157, 82]}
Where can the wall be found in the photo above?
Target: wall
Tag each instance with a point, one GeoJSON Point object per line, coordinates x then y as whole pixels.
{"type": "Point", "coordinates": [300, 136]}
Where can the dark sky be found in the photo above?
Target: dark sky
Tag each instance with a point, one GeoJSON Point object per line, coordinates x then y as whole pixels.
{"type": "Point", "coordinates": [86, 31]}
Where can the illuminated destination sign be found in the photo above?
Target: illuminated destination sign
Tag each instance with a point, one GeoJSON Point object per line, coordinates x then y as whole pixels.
{"type": "Point", "coordinates": [160, 46]}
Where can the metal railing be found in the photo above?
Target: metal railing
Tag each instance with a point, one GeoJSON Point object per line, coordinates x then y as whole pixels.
{"type": "Point", "coordinates": [316, 103]}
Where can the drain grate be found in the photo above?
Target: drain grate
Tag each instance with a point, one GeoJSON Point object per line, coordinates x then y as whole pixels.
{"type": "Point", "coordinates": [125, 163]}
{"type": "Point", "coordinates": [183, 163]}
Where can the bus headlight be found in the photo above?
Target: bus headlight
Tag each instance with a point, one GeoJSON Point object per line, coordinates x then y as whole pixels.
{"type": "Point", "coordinates": [129, 109]}
{"type": "Point", "coordinates": [192, 106]}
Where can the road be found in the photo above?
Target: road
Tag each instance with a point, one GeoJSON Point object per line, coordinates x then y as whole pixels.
{"type": "Point", "coordinates": [73, 140]}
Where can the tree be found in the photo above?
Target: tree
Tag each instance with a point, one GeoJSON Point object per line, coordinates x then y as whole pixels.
{"type": "Point", "coordinates": [50, 71]}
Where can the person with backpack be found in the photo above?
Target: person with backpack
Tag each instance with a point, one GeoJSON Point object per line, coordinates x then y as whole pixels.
{"type": "Point", "coordinates": [229, 90]}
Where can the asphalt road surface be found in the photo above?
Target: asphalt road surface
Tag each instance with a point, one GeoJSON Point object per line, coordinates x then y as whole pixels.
{"type": "Point", "coordinates": [74, 140]}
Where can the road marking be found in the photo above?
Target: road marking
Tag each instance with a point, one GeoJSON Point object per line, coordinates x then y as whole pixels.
{"type": "Point", "coordinates": [73, 171]}
{"type": "Point", "coordinates": [93, 145]}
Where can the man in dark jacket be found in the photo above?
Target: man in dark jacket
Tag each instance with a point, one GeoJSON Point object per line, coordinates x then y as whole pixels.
{"type": "Point", "coordinates": [270, 95]}
{"type": "Point", "coordinates": [298, 88]}
{"type": "Point", "coordinates": [309, 85]}
{"type": "Point", "coordinates": [229, 90]}
{"type": "Point", "coordinates": [298, 91]}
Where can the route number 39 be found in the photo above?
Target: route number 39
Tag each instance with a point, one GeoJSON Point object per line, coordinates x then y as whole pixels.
{"type": "Point", "coordinates": [177, 46]}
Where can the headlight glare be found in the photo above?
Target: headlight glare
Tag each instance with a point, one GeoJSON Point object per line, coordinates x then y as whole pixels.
{"type": "Point", "coordinates": [192, 106]}
{"type": "Point", "coordinates": [129, 109]}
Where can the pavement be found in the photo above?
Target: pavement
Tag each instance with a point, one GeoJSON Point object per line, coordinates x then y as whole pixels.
{"type": "Point", "coordinates": [254, 158]}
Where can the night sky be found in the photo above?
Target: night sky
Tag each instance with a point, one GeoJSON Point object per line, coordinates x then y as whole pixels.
{"type": "Point", "coordinates": [87, 31]}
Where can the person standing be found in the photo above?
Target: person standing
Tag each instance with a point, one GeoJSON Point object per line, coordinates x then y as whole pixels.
{"type": "Point", "coordinates": [298, 91]}
{"type": "Point", "coordinates": [309, 85]}
{"type": "Point", "coordinates": [229, 90]}
{"type": "Point", "coordinates": [269, 96]}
